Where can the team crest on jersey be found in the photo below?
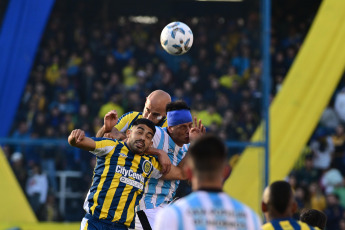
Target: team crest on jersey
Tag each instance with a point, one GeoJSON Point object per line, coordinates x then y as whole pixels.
{"type": "Point", "coordinates": [147, 166]}
{"type": "Point", "coordinates": [170, 151]}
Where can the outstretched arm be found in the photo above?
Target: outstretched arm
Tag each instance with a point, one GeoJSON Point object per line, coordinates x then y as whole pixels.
{"type": "Point", "coordinates": [176, 172]}
{"type": "Point", "coordinates": [163, 159]}
{"type": "Point", "coordinates": [77, 139]}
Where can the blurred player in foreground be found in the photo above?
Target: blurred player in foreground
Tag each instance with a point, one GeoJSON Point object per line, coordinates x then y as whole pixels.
{"type": "Point", "coordinates": [120, 175]}
{"type": "Point", "coordinates": [278, 206]}
{"type": "Point", "coordinates": [314, 218]}
{"type": "Point", "coordinates": [208, 207]}
{"type": "Point", "coordinates": [172, 140]}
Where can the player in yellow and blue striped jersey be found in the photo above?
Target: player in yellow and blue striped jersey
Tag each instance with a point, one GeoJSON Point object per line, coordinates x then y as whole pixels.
{"type": "Point", "coordinates": [120, 175]}
{"type": "Point", "coordinates": [279, 205]}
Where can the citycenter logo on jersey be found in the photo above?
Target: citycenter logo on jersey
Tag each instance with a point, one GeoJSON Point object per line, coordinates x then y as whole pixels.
{"type": "Point", "coordinates": [129, 173]}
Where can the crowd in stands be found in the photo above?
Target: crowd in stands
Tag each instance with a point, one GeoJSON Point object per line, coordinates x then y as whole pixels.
{"type": "Point", "coordinates": [86, 66]}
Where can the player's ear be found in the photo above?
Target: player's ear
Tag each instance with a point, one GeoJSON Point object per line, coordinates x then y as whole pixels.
{"type": "Point", "coordinates": [169, 129]}
{"type": "Point", "coordinates": [294, 207]}
{"type": "Point", "coordinates": [151, 144]}
{"type": "Point", "coordinates": [226, 172]}
{"type": "Point", "coordinates": [128, 133]}
{"type": "Point", "coordinates": [264, 207]}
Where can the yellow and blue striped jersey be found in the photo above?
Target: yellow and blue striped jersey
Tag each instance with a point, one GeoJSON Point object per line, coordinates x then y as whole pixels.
{"type": "Point", "coordinates": [118, 182]}
{"type": "Point", "coordinates": [126, 120]}
{"type": "Point", "coordinates": [287, 224]}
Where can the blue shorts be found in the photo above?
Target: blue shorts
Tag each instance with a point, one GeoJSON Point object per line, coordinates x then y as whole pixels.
{"type": "Point", "coordinates": [91, 223]}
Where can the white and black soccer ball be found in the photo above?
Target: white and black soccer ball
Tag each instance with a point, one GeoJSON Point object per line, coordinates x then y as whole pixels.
{"type": "Point", "coordinates": [176, 38]}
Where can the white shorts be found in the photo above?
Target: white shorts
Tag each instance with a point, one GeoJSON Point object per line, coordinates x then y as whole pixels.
{"type": "Point", "coordinates": [151, 216]}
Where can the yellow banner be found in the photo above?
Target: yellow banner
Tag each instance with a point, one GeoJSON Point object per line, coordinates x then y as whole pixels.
{"type": "Point", "coordinates": [14, 205]}
{"type": "Point", "coordinates": [297, 108]}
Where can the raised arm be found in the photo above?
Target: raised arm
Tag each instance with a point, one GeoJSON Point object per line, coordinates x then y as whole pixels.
{"type": "Point", "coordinates": [77, 139]}
{"type": "Point", "coordinates": [197, 130]}
{"type": "Point", "coordinates": [110, 120]}
{"type": "Point", "coordinates": [115, 134]}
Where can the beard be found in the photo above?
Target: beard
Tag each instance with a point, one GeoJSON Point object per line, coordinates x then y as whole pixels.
{"type": "Point", "coordinates": [137, 147]}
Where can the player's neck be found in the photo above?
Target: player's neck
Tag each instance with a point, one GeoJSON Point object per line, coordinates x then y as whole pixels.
{"type": "Point", "coordinates": [276, 215]}
{"type": "Point", "coordinates": [198, 184]}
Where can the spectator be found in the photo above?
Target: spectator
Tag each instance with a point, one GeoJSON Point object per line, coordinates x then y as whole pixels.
{"type": "Point", "coordinates": [334, 212]}
{"type": "Point", "coordinates": [37, 190]}
{"type": "Point", "coordinates": [323, 150]}
{"type": "Point", "coordinates": [317, 199]}
{"type": "Point", "coordinates": [50, 211]}
{"type": "Point", "coordinates": [307, 174]}
{"type": "Point", "coordinates": [210, 116]}
{"type": "Point", "coordinates": [113, 104]}
{"type": "Point", "coordinates": [331, 179]}
{"type": "Point", "coordinates": [339, 104]}
{"type": "Point", "coordinates": [339, 148]}
{"type": "Point", "coordinates": [19, 168]}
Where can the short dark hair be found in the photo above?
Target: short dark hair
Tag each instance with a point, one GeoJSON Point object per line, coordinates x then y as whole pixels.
{"type": "Point", "coordinates": [207, 153]}
{"type": "Point", "coordinates": [146, 122]}
{"type": "Point", "coordinates": [177, 105]}
{"type": "Point", "coordinates": [279, 196]}
{"type": "Point", "coordinates": [314, 218]}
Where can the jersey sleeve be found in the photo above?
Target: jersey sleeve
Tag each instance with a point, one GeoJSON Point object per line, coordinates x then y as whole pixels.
{"type": "Point", "coordinates": [159, 139]}
{"type": "Point", "coordinates": [166, 219]}
{"type": "Point", "coordinates": [156, 168]}
{"type": "Point", "coordinates": [185, 148]}
{"type": "Point", "coordinates": [125, 120]}
{"type": "Point", "coordinates": [103, 146]}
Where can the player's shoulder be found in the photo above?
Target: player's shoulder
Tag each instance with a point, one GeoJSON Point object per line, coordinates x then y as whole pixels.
{"type": "Point", "coordinates": [267, 226]}
{"type": "Point", "coordinates": [131, 114]}
{"type": "Point", "coordinates": [237, 203]}
{"type": "Point", "coordinates": [151, 158]}
{"type": "Point", "coordinates": [104, 146]}
{"type": "Point", "coordinates": [164, 123]}
{"type": "Point", "coordinates": [240, 207]}
{"type": "Point", "coordinates": [186, 201]}
{"type": "Point", "coordinates": [104, 139]}
{"type": "Point", "coordinates": [306, 226]}
{"type": "Point", "coordinates": [161, 132]}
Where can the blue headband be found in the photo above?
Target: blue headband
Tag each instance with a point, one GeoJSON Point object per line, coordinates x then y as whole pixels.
{"type": "Point", "coordinates": [178, 117]}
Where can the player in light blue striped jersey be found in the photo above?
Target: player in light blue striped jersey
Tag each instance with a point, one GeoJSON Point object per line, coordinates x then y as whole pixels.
{"type": "Point", "coordinates": [208, 207]}
{"type": "Point", "coordinates": [173, 140]}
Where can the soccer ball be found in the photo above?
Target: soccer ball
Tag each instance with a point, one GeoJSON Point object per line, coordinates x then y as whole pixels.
{"type": "Point", "coordinates": [176, 38]}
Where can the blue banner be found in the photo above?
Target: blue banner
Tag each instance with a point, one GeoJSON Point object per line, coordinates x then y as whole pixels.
{"type": "Point", "coordinates": [20, 35]}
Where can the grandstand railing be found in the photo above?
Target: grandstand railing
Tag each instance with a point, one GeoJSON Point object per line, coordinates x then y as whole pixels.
{"type": "Point", "coordinates": [63, 193]}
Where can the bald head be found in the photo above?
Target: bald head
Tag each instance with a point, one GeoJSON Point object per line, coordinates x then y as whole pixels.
{"type": "Point", "coordinates": [155, 106]}
{"type": "Point", "coordinates": [159, 96]}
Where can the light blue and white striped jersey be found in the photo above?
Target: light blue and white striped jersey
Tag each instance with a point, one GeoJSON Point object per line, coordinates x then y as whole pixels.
{"type": "Point", "coordinates": [206, 210]}
{"type": "Point", "coordinates": [159, 192]}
